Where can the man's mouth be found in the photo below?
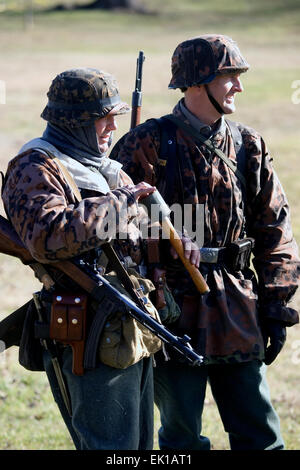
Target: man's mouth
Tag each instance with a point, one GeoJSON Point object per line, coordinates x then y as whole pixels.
{"type": "Point", "coordinates": [230, 99]}
{"type": "Point", "coordinates": [104, 138]}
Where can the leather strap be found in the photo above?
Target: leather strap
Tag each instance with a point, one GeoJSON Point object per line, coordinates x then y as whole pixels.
{"type": "Point", "coordinates": [69, 178]}
{"type": "Point", "coordinates": [122, 274]}
{"type": "Point", "coordinates": [207, 142]}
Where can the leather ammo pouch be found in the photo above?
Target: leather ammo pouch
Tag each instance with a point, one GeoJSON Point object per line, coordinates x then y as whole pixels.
{"type": "Point", "coordinates": [68, 324]}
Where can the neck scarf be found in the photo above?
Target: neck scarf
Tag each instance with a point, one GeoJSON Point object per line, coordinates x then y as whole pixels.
{"type": "Point", "coordinates": [79, 143]}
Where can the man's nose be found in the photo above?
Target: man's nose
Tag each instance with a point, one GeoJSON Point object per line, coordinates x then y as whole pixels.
{"type": "Point", "coordinates": [112, 124]}
{"type": "Point", "coordinates": [238, 86]}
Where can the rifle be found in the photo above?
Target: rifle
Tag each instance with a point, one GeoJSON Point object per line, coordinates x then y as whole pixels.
{"type": "Point", "coordinates": [136, 102]}
{"type": "Point", "coordinates": [155, 198]}
{"type": "Point", "coordinates": [92, 283]}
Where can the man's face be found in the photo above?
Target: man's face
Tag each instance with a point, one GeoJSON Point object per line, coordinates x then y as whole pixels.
{"type": "Point", "coordinates": [223, 88]}
{"type": "Point", "coordinates": [104, 127]}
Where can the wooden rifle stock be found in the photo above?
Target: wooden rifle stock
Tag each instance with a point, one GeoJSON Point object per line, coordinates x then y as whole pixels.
{"type": "Point", "coordinates": [10, 243]}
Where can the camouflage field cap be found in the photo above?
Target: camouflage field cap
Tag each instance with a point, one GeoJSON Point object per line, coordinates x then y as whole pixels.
{"type": "Point", "coordinates": [199, 60]}
{"type": "Point", "coordinates": [78, 97]}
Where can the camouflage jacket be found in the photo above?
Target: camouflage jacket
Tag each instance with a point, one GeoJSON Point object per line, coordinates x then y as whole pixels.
{"type": "Point", "coordinates": [225, 323]}
{"type": "Point", "coordinates": [52, 224]}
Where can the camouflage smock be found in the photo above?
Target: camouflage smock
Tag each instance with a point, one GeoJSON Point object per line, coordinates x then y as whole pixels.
{"type": "Point", "coordinates": [49, 220]}
{"type": "Point", "coordinates": [224, 323]}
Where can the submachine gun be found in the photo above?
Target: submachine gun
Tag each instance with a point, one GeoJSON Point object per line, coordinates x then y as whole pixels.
{"type": "Point", "coordinates": [92, 283]}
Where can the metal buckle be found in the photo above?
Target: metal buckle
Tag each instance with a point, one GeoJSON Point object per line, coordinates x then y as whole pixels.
{"type": "Point", "coordinates": [209, 255]}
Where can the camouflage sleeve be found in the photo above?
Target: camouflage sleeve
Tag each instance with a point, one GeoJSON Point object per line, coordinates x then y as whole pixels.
{"type": "Point", "coordinates": [51, 224]}
{"type": "Point", "coordinates": [276, 258]}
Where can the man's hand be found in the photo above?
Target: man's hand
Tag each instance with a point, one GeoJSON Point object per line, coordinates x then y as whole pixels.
{"type": "Point", "coordinates": [274, 332]}
{"type": "Point", "coordinates": [191, 251]}
{"type": "Point", "coordinates": [141, 190]}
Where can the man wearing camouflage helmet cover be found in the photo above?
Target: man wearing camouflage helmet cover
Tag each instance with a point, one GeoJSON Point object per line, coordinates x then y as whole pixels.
{"type": "Point", "coordinates": [111, 408]}
{"type": "Point", "coordinates": [240, 325]}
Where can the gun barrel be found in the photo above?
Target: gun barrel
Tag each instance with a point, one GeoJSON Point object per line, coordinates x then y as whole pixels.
{"type": "Point", "coordinates": [139, 71]}
{"type": "Point", "coordinates": [136, 101]}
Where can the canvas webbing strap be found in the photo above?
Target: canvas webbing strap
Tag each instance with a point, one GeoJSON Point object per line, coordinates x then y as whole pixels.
{"type": "Point", "coordinates": [208, 143]}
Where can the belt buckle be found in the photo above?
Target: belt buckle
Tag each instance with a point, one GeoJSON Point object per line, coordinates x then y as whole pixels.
{"type": "Point", "coordinates": [209, 255]}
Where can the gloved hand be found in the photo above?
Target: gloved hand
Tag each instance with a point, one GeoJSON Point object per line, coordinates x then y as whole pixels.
{"type": "Point", "coordinates": [274, 333]}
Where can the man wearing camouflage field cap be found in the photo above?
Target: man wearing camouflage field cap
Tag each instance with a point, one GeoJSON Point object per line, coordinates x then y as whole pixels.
{"type": "Point", "coordinates": [240, 325]}
{"type": "Point", "coordinates": [111, 408]}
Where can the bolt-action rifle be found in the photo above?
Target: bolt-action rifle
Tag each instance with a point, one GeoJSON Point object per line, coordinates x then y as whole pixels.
{"type": "Point", "coordinates": [92, 283]}
{"type": "Point", "coordinates": [155, 198]}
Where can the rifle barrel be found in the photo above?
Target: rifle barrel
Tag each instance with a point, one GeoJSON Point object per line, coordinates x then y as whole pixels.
{"type": "Point", "coordinates": [136, 102]}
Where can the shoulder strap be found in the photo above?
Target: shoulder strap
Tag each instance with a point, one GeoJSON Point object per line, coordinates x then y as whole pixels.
{"type": "Point", "coordinates": [69, 178]}
{"type": "Point", "coordinates": [168, 154]}
{"type": "Point", "coordinates": [167, 161]}
{"type": "Point", "coordinates": [197, 136]}
{"type": "Point", "coordinates": [238, 145]}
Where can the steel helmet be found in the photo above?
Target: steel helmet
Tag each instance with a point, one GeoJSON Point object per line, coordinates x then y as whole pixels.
{"type": "Point", "coordinates": [199, 60]}
{"type": "Point", "coordinates": [78, 97]}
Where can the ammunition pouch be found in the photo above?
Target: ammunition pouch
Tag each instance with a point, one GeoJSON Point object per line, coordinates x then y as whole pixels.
{"type": "Point", "coordinates": [68, 324]}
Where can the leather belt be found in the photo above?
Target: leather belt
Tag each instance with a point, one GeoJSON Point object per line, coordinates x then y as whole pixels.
{"type": "Point", "coordinates": [236, 255]}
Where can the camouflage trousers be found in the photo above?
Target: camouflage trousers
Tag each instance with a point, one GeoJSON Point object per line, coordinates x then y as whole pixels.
{"type": "Point", "coordinates": [241, 394]}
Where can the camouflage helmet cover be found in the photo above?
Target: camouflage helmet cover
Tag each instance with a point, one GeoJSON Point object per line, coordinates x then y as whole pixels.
{"type": "Point", "coordinates": [78, 97]}
{"type": "Point", "coordinates": [199, 60]}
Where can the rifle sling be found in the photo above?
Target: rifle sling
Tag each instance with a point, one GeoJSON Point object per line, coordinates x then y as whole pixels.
{"type": "Point", "coordinates": [122, 273]}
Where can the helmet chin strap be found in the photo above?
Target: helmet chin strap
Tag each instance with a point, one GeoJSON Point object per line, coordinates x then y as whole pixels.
{"type": "Point", "coordinates": [214, 102]}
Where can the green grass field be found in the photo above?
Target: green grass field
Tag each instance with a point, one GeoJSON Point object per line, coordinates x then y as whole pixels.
{"type": "Point", "coordinates": [32, 53]}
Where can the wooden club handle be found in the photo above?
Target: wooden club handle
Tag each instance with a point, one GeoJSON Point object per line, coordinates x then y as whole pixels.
{"type": "Point", "coordinates": [194, 272]}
